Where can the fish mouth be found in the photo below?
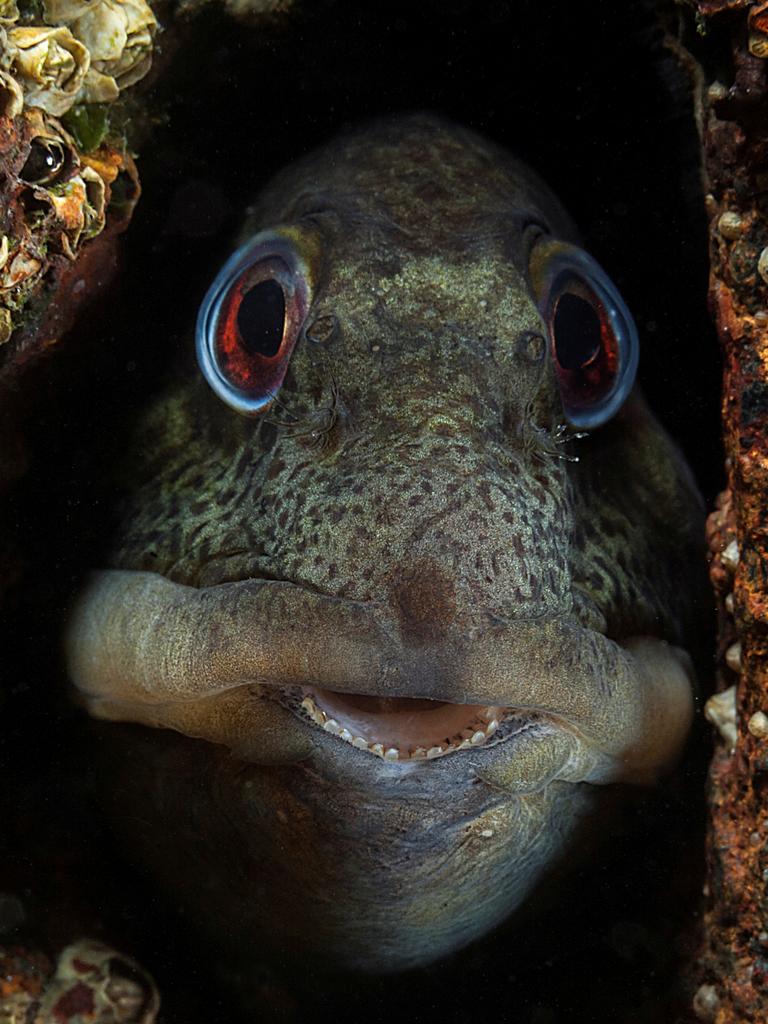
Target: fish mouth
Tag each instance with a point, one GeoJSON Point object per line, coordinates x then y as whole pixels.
{"type": "Point", "coordinates": [401, 728]}
{"type": "Point", "coordinates": [237, 663]}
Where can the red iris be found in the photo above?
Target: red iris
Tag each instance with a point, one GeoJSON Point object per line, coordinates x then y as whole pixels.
{"type": "Point", "coordinates": [256, 329]}
{"type": "Point", "coordinates": [585, 346]}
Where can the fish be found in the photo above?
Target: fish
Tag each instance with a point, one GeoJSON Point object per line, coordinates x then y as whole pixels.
{"type": "Point", "coordinates": [406, 578]}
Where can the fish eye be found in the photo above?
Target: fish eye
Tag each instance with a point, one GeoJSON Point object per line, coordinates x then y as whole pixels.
{"type": "Point", "coordinates": [593, 338]}
{"type": "Point", "coordinates": [250, 321]}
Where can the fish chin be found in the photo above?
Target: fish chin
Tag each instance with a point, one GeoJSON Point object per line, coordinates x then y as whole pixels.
{"type": "Point", "coordinates": [357, 863]}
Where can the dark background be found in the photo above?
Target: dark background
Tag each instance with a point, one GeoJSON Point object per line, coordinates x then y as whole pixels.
{"type": "Point", "coordinates": [587, 94]}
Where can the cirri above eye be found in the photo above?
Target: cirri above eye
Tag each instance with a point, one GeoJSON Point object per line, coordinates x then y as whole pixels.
{"type": "Point", "coordinates": [250, 321]}
{"type": "Point", "coordinates": [592, 335]}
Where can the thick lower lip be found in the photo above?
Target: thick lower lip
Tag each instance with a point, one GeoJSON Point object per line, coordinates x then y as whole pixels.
{"type": "Point", "coordinates": [399, 728]}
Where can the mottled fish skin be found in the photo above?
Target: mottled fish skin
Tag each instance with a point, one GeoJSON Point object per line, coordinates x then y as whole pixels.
{"type": "Point", "coordinates": [410, 463]}
{"type": "Point", "coordinates": [411, 420]}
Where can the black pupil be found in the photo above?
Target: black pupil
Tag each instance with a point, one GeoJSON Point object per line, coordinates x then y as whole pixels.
{"type": "Point", "coordinates": [577, 331]}
{"type": "Point", "coordinates": [261, 318]}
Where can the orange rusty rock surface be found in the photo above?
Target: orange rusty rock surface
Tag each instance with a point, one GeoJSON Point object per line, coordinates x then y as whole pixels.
{"type": "Point", "coordinates": [734, 961]}
{"type": "Point", "coordinates": [22, 972]}
{"type": "Point", "coordinates": [720, 534]}
{"type": "Point", "coordinates": [708, 8]}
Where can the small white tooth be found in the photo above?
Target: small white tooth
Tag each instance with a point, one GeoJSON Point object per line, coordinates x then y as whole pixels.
{"type": "Point", "coordinates": [392, 754]}
{"type": "Point", "coordinates": [465, 744]}
{"type": "Point", "coordinates": [346, 735]}
{"type": "Point", "coordinates": [376, 748]}
{"type": "Point", "coordinates": [491, 727]}
{"type": "Point", "coordinates": [478, 737]}
{"type": "Point", "coordinates": [360, 743]}
{"type": "Point", "coordinates": [729, 603]}
{"type": "Point", "coordinates": [419, 752]}
{"type": "Point", "coordinates": [308, 704]}
{"type": "Point", "coordinates": [434, 751]}
{"type": "Point", "coordinates": [487, 833]}
{"type": "Point", "coordinates": [332, 726]}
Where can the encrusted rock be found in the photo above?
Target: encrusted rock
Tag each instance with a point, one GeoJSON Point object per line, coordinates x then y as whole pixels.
{"type": "Point", "coordinates": [720, 710]}
{"type": "Point", "coordinates": [91, 982]}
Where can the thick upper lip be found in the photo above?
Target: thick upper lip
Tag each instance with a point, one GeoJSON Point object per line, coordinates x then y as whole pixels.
{"type": "Point", "coordinates": [142, 648]}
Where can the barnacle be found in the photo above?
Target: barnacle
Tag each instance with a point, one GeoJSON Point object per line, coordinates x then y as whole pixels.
{"type": "Point", "coordinates": [50, 159]}
{"type": "Point", "coordinates": [119, 37]}
{"type": "Point", "coordinates": [94, 207]}
{"type": "Point", "coordinates": [88, 982]}
{"type": "Point", "coordinates": [78, 209]}
{"type": "Point", "coordinates": [51, 65]}
{"type": "Point", "coordinates": [11, 95]}
{"type": "Point", "coordinates": [6, 325]}
{"type": "Point", "coordinates": [23, 268]}
{"type": "Point", "coordinates": [68, 204]}
{"type": "Point", "coordinates": [9, 12]}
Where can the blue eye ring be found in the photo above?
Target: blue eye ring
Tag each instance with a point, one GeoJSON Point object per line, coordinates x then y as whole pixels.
{"type": "Point", "coordinates": [247, 379]}
{"type": "Point", "coordinates": [594, 392]}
